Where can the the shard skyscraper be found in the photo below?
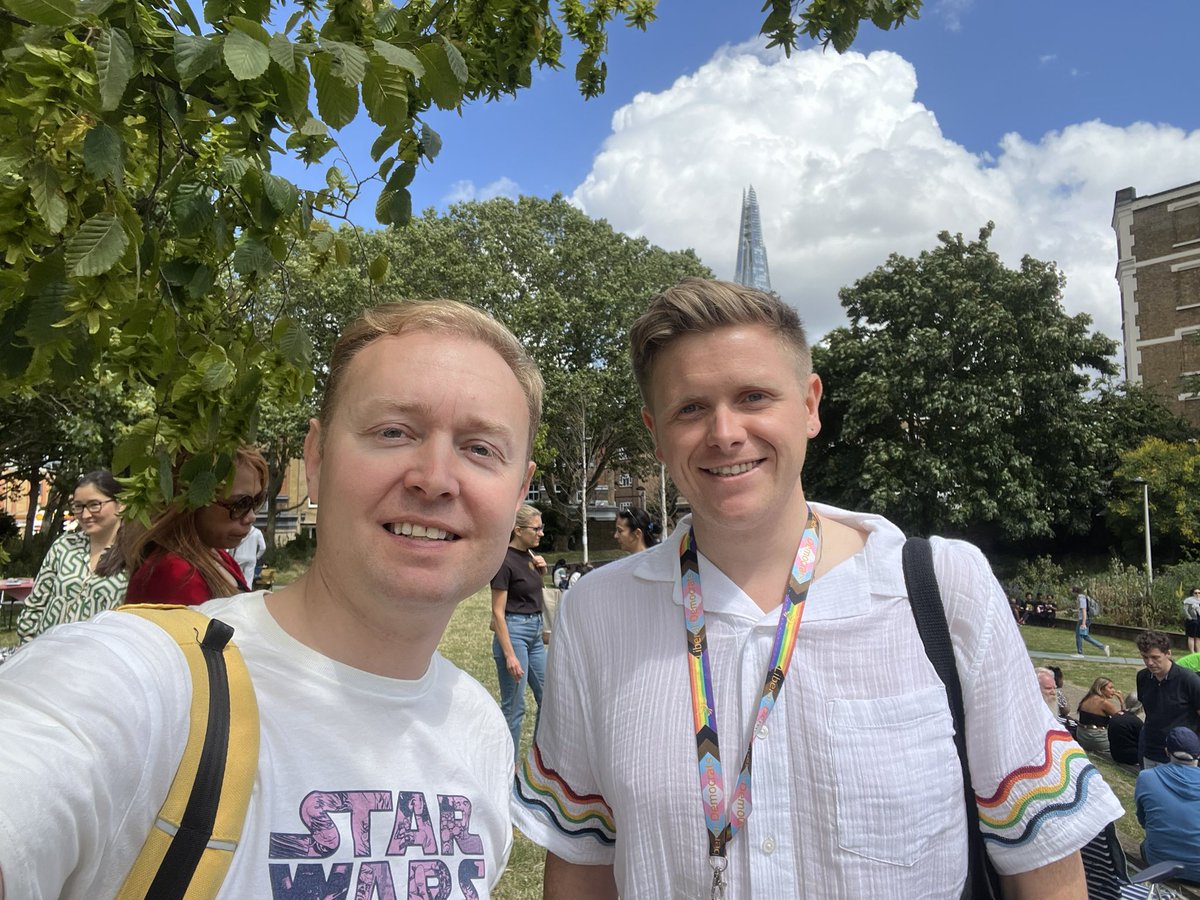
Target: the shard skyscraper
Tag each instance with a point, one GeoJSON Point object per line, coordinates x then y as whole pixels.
{"type": "Point", "coordinates": [752, 269]}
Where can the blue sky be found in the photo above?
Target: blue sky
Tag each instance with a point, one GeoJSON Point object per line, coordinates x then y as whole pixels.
{"type": "Point", "coordinates": [1029, 113]}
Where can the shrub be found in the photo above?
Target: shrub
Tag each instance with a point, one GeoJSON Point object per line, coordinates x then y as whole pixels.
{"type": "Point", "coordinates": [1121, 592]}
{"type": "Point", "coordinates": [1042, 575]}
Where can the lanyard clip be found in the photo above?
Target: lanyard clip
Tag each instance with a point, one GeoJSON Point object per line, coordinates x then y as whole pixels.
{"type": "Point", "coordinates": [718, 864]}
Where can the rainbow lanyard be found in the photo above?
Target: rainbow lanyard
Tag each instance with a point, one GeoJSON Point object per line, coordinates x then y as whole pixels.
{"type": "Point", "coordinates": [722, 827]}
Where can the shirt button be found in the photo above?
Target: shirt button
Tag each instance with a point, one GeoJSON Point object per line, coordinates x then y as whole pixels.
{"type": "Point", "coordinates": [768, 846]}
{"type": "Point", "coordinates": [762, 732]}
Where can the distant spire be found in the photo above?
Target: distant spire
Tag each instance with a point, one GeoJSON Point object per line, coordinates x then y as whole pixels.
{"type": "Point", "coordinates": [752, 269]}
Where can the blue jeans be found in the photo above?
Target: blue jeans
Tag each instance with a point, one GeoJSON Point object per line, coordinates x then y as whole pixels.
{"type": "Point", "coordinates": [1080, 637]}
{"type": "Point", "coordinates": [525, 633]}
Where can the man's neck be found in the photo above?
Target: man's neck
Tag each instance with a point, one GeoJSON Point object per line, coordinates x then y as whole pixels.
{"type": "Point", "coordinates": [392, 641]}
{"type": "Point", "coordinates": [760, 561]}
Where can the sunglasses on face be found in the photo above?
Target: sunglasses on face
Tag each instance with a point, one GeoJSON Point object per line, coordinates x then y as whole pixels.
{"type": "Point", "coordinates": [92, 506]}
{"type": "Point", "coordinates": [237, 507]}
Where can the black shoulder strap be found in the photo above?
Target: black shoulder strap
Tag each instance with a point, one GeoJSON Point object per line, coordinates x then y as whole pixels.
{"type": "Point", "coordinates": [926, 602]}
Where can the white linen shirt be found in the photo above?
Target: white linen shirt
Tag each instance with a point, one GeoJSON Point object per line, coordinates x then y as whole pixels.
{"type": "Point", "coordinates": [856, 783]}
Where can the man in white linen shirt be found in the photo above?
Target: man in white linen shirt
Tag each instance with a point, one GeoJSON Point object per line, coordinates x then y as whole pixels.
{"type": "Point", "coordinates": [658, 675]}
{"type": "Point", "coordinates": [383, 769]}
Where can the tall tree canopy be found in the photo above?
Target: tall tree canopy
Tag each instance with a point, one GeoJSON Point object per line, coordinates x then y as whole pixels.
{"type": "Point", "coordinates": [1171, 471]}
{"type": "Point", "coordinates": [955, 398]}
{"type": "Point", "coordinates": [568, 286]}
{"type": "Point", "coordinates": [139, 215]}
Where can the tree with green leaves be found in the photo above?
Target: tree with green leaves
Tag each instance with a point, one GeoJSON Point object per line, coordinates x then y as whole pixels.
{"type": "Point", "coordinates": [955, 398]}
{"type": "Point", "coordinates": [1171, 471]}
{"type": "Point", "coordinates": [568, 286]}
{"type": "Point", "coordinates": [139, 213]}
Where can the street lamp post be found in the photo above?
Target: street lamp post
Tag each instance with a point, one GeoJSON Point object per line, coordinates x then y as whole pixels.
{"type": "Point", "coordinates": [1146, 528]}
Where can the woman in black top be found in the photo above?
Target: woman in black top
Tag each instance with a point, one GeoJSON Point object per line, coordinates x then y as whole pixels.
{"type": "Point", "coordinates": [517, 646]}
{"type": "Point", "coordinates": [1099, 704]}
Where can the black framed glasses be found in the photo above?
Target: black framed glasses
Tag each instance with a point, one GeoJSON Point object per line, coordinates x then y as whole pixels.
{"type": "Point", "coordinates": [92, 506]}
{"type": "Point", "coordinates": [237, 507]}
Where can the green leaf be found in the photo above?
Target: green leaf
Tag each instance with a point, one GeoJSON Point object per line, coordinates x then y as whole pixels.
{"type": "Point", "coordinates": [293, 342]}
{"type": "Point", "coordinates": [378, 268]}
{"type": "Point", "coordinates": [431, 142]}
{"type": "Point", "coordinates": [114, 66]}
{"type": "Point", "coordinates": [191, 209]}
{"type": "Point", "coordinates": [250, 27]}
{"type": "Point", "coordinates": [96, 246]}
{"type": "Point", "coordinates": [202, 489]}
{"type": "Point", "coordinates": [458, 65]}
{"type": "Point", "coordinates": [102, 154]}
{"type": "Point", "coordinates": [398, 56]}
{"type": "Point", "coordinates": [283, 52]}
{"type": "Point", "coordinates": [130, 448]}
{"type": "Point", "coordinates": [349, 61]}
{"type": "Point", "coordinates": [281, 193]}
{"type": "Point", "coordinates": [44, 12]}
{"type": "Point", "coordinates": [341, 252]}
{"type": "Point", "coordinates": [441, 82]}
{"type": "Point", "coordinates": [252, 257]}
{"type": "Point", "coordinates": [337, 102]}
{"type": "Point", "coordinates": [218, 375]}
{"type": "Point", "coordinates": [394, 207]}
{"type": "Point", "coordinates": [385, 93]}
{"type": "Point", "coordinates": [194, 55]}
{"type": "Point", "coordinates": [48, 197]}
{"type": "Point", "coordinates": [245, 57]}
{"type": "Point", "coordinates": [314, 126]}
{"type": "Point", "coordinates": [166, 481]}
{"type": "Point", "coordinates": [234, 169]}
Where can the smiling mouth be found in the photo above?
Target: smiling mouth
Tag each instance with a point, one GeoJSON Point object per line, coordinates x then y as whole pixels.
{"type": "Point", "coordinates": [428, 533]}
{"type": "Point", "coordinates": [728, 471]}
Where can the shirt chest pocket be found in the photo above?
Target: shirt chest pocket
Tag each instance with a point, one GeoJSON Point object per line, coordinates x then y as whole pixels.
{"type": "Point", "coordinates": [899, 783]}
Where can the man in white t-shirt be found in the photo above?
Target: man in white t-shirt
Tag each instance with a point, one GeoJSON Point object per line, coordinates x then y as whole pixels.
{"type": "Point", "coordinates": [665, 672]}
{"type": "Point", "coordinates": [383, 770]}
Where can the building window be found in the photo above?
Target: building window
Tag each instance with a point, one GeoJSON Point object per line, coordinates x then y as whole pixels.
{"type": "Point", "coordinates": [1186, 220]}
{"type": "Point", "coordinates": [601, 489]}
{"type": "Point", "coordinates": [624, 480]}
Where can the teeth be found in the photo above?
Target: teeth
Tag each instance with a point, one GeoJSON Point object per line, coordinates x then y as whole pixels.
{"type": "Point", "coordinates": [732, 470]}
{"type": "Point", "coordinates": [418, 531]}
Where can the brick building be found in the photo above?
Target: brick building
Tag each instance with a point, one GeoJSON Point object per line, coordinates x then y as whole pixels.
{"type": "Point", "coordinates": [1158, 270]}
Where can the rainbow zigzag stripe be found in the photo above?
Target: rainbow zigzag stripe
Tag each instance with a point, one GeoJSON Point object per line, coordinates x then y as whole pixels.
{"type": "Point", "coordinates": [539, 787]}
{"type": "Point", "coordinates": [1027, 797]}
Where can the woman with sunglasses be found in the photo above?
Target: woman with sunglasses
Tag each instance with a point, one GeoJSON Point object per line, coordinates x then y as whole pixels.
{"type": "Point", "coordinates": [72, 583]}
{"type": "Point", "coordinates": [636, 530]}
{"type": "Point", "coordinates": [183, 557]}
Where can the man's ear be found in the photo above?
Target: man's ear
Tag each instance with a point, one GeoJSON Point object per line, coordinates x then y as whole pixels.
{"type": "Point", "coordinates": [528, 481]}
{"type": "Point", "coordinates": [648, 420]}
{"type": "Point", "coordinates": [312, 459]}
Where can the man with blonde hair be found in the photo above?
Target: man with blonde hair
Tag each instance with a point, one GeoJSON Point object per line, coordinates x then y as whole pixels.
{"type": "Point", "coordinates": [768, 651]}
{"type": "Point", "coordinates": [383, 770]}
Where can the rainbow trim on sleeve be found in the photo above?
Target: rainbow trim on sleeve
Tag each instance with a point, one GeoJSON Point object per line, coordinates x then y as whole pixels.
{"type": "Point", "coordinates": [541, 789]}
{"type": "Point", "coordinates": [1028, 796]}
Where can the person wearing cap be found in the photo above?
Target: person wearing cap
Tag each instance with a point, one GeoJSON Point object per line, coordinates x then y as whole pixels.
{"type": "Point", "coordinates": [1170, 694]}
{"type": "Point", "coordinates": [1168, 805]}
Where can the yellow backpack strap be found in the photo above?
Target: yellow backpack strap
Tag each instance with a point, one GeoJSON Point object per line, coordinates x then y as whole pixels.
{"type": "Point", "coordinates": [193, 841]}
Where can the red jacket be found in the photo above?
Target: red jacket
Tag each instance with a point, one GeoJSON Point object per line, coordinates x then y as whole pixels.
{"type": "Point", "coordinates": [166, 577]}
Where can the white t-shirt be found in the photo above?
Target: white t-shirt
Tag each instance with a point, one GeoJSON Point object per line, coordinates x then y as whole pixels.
{"type": "Point", "coordinates": [361, 779]}
{"type": "Point", "coordinates": [247, 553]}
{"type": "Point", "coordinates": [857, 790]}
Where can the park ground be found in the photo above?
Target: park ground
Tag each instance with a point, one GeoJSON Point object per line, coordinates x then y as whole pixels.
{"type": "Point", "coordinates": [468, 643]}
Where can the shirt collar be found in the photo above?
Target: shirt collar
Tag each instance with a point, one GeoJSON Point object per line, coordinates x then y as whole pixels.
{"type": "Point", "coordinates": [843, 592]}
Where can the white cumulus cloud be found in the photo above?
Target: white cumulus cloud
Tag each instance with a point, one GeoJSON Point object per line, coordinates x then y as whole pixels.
{"type": "Point", "coordinates": [849, 167]}
{"type": "Point", "coordinates": [466, 191]}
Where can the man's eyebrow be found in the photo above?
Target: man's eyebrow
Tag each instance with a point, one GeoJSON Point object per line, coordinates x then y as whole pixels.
{"type": "Point", "coordinates": [494, 428]}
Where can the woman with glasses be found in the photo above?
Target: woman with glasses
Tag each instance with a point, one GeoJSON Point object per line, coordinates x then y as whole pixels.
{"type": "Point", "coordinates": [76, 580]}
{"type": "Point", "coordinates": [517, 647]}
{"type": "Point", "coordinates": [183, 557]}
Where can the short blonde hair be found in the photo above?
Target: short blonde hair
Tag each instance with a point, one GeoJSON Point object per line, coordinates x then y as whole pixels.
{"type": "Point", "coordinates": [441, 316]}
{"type": "Point", "coordinates": [525, 516]}
{"type": "Point", "coordinates": [701, 305]}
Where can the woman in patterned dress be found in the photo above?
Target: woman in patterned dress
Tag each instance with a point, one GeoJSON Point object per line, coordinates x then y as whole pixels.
{"type": "Point", "coordinates": [68, 586]}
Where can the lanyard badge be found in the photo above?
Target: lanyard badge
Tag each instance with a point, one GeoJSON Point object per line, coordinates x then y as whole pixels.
{"type": "Point", "coordinates": [724, 819]}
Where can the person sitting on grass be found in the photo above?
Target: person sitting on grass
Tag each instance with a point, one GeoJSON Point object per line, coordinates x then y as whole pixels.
{"type": "Point", "coordinates": [1096, 709]}
{"type": "Point", "coordinates": [1124, 731]}
{"type": "Point", "coordinates": [1167, 800]}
